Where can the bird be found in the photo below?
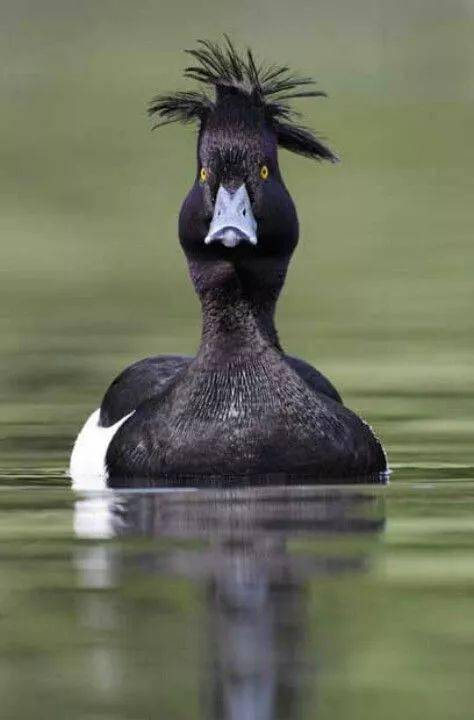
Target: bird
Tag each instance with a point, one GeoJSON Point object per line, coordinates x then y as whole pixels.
{"type": "Point", "coordinates": [241, 409]}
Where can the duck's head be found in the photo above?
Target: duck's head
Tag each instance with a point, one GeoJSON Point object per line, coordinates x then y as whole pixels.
{"type": "Point", "coordinates": [238, 207]}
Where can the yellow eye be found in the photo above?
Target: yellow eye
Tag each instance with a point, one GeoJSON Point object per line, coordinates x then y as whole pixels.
{"type": "Point", "coordinates": [203, 175]}
{"type": "Point", "coordinates": [264, 172]}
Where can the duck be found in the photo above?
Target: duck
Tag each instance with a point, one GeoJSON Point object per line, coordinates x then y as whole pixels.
{"type": "Point", "coordinates": [241, 408]}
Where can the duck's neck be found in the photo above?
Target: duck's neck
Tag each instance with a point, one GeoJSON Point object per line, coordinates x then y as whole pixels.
{"type": "Point", "coordinates": [234, 326]}
{"type": "Point", "coordinates": [238, 308]}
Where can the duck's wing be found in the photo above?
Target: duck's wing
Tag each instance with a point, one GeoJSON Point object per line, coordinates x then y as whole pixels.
{"type": "Point", "coordinates": [139, 382]}
{"type": "Point", "coordinates": [313, 378]}
{"type": "Point", "coordinates": [136, 384]}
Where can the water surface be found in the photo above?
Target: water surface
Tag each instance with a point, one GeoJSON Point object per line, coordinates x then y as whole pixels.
{"type": "Point", "coordinates": [258, 603]}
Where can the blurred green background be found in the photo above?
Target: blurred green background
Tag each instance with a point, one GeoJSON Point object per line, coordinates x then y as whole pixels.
{"type": "Point", "coordinates": [380, 291]}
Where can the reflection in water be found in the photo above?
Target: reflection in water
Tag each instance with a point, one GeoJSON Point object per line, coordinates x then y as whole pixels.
{"type": "Point", "coordinates": [255, 658]}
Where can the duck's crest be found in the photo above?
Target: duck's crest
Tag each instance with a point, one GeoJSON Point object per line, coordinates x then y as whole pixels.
{"type": "Point", "coordinates": [270, 87]}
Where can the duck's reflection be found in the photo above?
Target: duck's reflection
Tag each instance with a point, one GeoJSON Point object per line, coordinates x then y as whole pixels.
{"type": "Point", "coordinates": [258, 550]}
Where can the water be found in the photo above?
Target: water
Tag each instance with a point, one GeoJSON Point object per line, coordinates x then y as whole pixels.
{"type": "Point", "coordinates": [272, 603]}
{"type": "Point", "coordinates": [256, 603]}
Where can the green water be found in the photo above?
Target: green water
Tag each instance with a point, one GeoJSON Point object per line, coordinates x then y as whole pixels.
{"type": "Point", "coordinates": [261, 604]}
{"type": "Point", "coordinates": [311, 603]}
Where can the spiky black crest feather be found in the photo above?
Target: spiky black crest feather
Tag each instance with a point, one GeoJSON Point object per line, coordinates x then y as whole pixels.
{"type": "Point", "coordinates": [270, 87]}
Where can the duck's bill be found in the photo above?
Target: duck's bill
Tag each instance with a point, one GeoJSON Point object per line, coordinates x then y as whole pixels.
{"type": "Point", "coordinates": [233, 221]}
{"type": "Point", "coordinates": [230, 237]}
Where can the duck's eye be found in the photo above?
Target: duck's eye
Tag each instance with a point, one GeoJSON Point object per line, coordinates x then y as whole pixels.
{"type": "Point", "coordinates": [264, 172]}
{"type": "Point", "coordinates": [203, 175]}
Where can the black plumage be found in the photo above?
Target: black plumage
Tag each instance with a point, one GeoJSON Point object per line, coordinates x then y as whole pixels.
{"type": "Point", "coordinates": [241, 407]}
{"type": "Point", "coordinates": [270, 88]}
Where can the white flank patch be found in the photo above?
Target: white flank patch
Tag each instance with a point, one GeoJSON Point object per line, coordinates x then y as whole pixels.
{"type": "Point", "coordinates": [87, 465]}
